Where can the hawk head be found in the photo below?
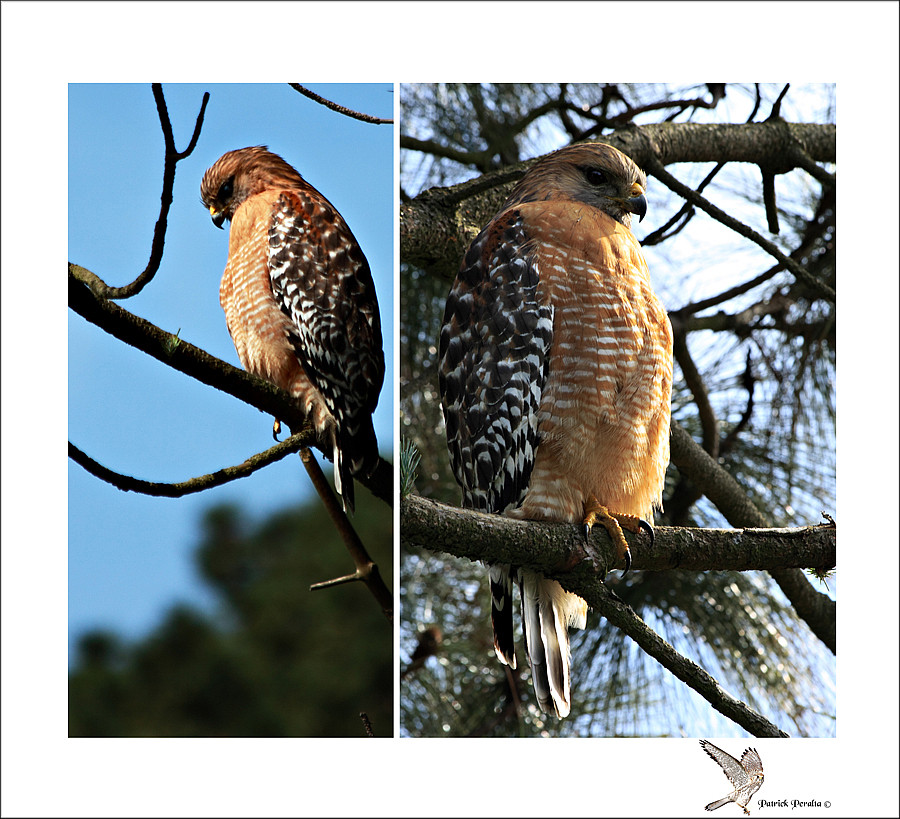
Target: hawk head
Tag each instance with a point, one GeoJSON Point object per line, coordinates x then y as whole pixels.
{"type": "Point", "coordinates": [594, 173]}
{"type": "Point", "coordinates": [238, 175]}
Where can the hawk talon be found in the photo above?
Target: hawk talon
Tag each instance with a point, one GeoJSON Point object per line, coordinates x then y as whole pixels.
{"type": "Point", "coordinates": [647, 528]}
{"type": "Point", "coordinates": [276, 429]}
{"type": "Point", "coordinates": [595, 511]}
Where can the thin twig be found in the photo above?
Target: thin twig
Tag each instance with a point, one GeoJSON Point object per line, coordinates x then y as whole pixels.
{"type": "Point", "coordinates": [685, 213]}
{"type": "Point", "coordinates": [339, 108]}
{"type": "Point", "coordinates": [654, 166]}
{"type": "Point", "coordinates": [172, 157]}
{"type": "Point", "coordinates": [178, 490]}
{"type": "Point", "coordinates": [366, 568]}
{"type": "Point", "coordinates": [727, 295]}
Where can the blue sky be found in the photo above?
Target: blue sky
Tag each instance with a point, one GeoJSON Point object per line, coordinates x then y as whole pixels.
{"type": "Point", "coordinates": [130, 556]}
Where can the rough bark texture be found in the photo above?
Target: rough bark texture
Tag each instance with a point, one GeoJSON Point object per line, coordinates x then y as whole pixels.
{"type": "Point", "coordinates": [438, 225]}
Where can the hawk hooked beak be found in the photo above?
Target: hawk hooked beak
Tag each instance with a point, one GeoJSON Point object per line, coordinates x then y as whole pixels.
{"type": "Point", "coordinates": [217, 216]}
{"type": "Point", "coordinates": [637, 204]}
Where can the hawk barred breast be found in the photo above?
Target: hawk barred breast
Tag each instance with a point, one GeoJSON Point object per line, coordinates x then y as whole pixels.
{"type": "Point", "coordinates": [555, 378]}
{"type": "Point", "coordinates": [299, 302]}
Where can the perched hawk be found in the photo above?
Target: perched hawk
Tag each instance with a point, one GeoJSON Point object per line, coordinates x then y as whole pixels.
{"type": "Point", "coordinates": [299, 301]}
{"type": "Point", "coordinates": [746, 775]}
{"type": "Point", "coordinates": [555, 379]}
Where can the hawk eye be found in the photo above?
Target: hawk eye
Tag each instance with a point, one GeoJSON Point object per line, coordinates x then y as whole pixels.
{"type": "Point", "coordinates": [594, 176]}
{"type": "Point", "coordinates": [226, 189]}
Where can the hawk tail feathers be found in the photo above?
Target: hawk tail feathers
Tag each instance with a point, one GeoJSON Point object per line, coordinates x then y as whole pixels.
{"type": "Point", "coordinates": [501, 614]}
{"type": "Point", "coordinates": [360, 443]}
{"type": "Point", "coordinates": [343, 478]}
{"type": "Point", "coordinates": [355, 455]}
{"type": "Point", "coordinates": [548, 611]}
{"type": "Point", "coordinates": [719, 802]}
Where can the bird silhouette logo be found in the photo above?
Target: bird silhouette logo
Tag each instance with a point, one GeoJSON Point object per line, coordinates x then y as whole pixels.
{"type": "Point", "coordinates": [745, 774]}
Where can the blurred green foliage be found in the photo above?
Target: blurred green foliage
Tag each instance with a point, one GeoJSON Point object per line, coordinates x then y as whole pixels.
{"type": "Point", "coordinates": [274, 659]}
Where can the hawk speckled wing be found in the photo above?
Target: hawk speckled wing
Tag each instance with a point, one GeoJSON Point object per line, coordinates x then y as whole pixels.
{"type": "Point", "coordinates": [555, 379]}
{"type": "Point", "coordinates": [746, 775]}
{"type": "Point", "coordinates": [299, 301]}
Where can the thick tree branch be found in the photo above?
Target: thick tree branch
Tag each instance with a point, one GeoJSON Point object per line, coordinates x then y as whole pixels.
{"type": "Point", "coordinates": [558, 550]}
{"type": "Point", "coordinates": [817, 609]}
{"type": "Point", "coordinates": [437, 226]}
{"type": "Point", "coordinates": [198, 364]}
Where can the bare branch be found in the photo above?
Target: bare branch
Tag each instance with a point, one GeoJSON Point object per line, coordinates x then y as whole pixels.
{"type": "Point", "coordinates": [623, 616]}
{"type": "Point", "coordinates": [178, 490]}
{"type": "Point", "coordinates": [655, 167]}
{"type": "Point", "coordinates": [172, 158]}
{"type": "Point", "coordinates": [684, 214]}
{"type": "Point", "coordinates": [366, 569]}
{"type": "Point", "coordinates": [817, 609]}
{"type": "Point", "coordinates": [339, 108]}
{"type": "Point", "coordinates": [695, 307]}
{"type": "Point", "coordinates": [694, 381]}
{"type": "Point", "coordinates": [437, 225]}
{"type": "Point", "coordinates": [192, 361]}
{"type": "Point", "coordinates": [558, 550]}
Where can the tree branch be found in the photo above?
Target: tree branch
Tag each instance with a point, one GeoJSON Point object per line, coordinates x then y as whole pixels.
{"type": "Point", "coordinates": [200, 365]}
{"type": "Point", "coordinates": [339, 108]}
{"type": "Point", "coordinates": [655, 167]}
{"type": "Point", "coordinates": [366, 569]}
{"type": "Point", "coordinates": [178, 490]}
{"type": "Point", "coordinates": [818, 610]}
{"type": "Point", "coordinates": [438, 225]}
{"type": "Point", "coordinates": [557, 550]}
{"type": "Point", "coordinates": [172, 157]}
{"type": "Point", "coordinates": [622, 616]}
